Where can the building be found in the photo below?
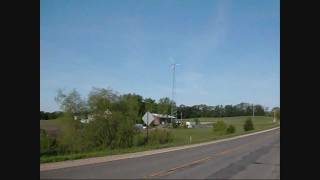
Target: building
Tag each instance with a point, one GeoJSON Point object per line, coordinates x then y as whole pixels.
{"type": "Point", "coordinates": [90, 117]}
{"type": "Point", "coordinates": [161, 119]}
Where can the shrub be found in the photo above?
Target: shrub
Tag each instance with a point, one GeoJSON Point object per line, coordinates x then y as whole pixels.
{"type": "Point", "coordinates": [248, 125]}
{"type": "Point", "coordinates": [220, 127]}
{"type": "Point", "coordinates": [125, 134]}
{"type": "Point", "coordinates": [160, 136]}
{"type": "Point", "coordinates": [70, 138]}
{"type": "Point", "coordinates": [231, 129]}
{"type": "Point", "coordinates": [196, 120]}
{"type": "Point", "coordinates": [175, 124]}
{"type": "Point", "coordinates": [47, 144]}
{"type": "Point", "coordinates": [139, 139]}
{"type": "Point", "coordinates": [44, 141]}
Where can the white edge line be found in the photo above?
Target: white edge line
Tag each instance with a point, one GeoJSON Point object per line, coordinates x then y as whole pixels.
{"type": "Point", "coordinates": [94, 160]}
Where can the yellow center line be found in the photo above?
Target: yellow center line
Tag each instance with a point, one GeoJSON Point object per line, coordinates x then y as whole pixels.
{"type": "Point", "coordinates": [174, 169]}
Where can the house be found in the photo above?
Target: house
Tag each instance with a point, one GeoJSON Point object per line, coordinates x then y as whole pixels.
{"type": "Point", "coordinates": [158, 119]}
{"type": "Point", "coordinates": [90, 117]}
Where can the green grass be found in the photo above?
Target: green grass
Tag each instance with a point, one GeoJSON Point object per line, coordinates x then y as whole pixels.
{"type": "Point", "coordinates": [206, 134]}
{"type": "Point", "coordinates": [180, 137]}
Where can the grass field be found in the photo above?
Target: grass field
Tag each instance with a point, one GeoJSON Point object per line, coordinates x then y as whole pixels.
{"type": "Point", "coordinates": [205, 134]}
{"type": "Point", "coordinates": [180, 137]}
{"type": "Point", "coordinates": [49, 124]}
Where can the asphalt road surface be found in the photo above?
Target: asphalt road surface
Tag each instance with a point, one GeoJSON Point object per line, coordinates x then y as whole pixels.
{"type": "Point", "coordinates": [251, 157]}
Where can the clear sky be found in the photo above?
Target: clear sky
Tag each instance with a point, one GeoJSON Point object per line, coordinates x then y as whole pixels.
{"type": "Point", "coordinates": [229, 51]}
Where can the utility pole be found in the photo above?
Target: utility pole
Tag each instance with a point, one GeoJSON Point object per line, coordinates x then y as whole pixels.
{"type": "Point", "coordinates": [274, 116]}
{"type": "Point", "coordinates": [147, 126]}
{"type": "Point", "coordinates": [252, 111]}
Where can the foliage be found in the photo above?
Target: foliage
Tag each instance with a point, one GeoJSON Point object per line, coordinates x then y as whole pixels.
{"type": "Point", "coordinates": [175, 124]}
{"type": "Point", "coordinates": [231, 129]}
{"type": "Point", "coordinates": [160, 136]}
{"type": "Point", "coordinates": [100, 99]}
{"type": "Point", "coordinates": [71, 103]}
{"type": "Point", "coordinates": [44, 141]}
{"type": "Point", "coordinates": [47, 144]}
{"type": "Point", "coordinates": [181, 137]}
{"type": "Point", "coordinates": [164, 105]}
{"type": "Point", "coordinates": [219, 127]}
{"type": "Point", "coordinates": [50, 115]}
{"type": "Point", "coordinates": [131, 105]}
{"type": "Point", "coordinates": [148, 105]}
{"type": "Point", "coordinates": [184, 124]}
{"type": "Point", "coordinates": [70, 137]}
{"type": "Point", "coordinates": [248, 125]}
{"type": "Point", "coordinates": [113, 118]}
{"type": "Point", "coordinates": [139, 139]}
{"type": "Point", "coordinates": [202, 110]}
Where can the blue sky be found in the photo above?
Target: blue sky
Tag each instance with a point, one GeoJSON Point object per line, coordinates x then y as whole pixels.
{"type": "Point", "coordinates": [229, 51]}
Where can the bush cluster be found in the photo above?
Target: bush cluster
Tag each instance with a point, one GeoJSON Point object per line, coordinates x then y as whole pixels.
{"type": "Point", "coordinates": [220, 127]}
{"type": "Point", "coordinates": [160, 136]}
{"type": "Point", "coordinates": [248, 125]}
{"type": "Point", "coordinates": [231, 129]}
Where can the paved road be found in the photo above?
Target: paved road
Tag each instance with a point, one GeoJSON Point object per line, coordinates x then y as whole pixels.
{"type": "Point", "coordinates": [251, 157]}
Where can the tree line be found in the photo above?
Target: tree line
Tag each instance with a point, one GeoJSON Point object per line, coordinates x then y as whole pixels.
{"type": "Point", "coordinates": [50, 115]}
{"type": "Point", "coordinates": [138, 106]}
{"type": "Point", "coordinates": [242, 109]}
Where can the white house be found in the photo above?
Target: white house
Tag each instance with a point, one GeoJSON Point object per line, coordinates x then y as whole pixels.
{"type": "Point", "coordinates": [90, 117]}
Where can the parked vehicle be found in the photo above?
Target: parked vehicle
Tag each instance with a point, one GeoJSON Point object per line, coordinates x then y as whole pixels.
{"type": "Point", "coordinates": [188, 124]}
{"type": "Point", "coordinates": [139, 127]}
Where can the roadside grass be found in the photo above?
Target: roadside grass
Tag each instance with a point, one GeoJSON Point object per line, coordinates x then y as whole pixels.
{"type": "Point", "coordinates": [180, 137]}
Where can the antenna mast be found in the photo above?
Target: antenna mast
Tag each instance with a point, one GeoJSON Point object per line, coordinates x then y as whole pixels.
{"type": "Point", "coordinates": [173, 90]}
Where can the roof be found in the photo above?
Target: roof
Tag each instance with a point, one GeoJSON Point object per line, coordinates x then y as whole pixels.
{"type": "Point", "coordinates": [162, 115]}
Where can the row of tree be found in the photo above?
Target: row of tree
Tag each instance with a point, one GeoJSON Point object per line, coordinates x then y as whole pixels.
{"type": "Point", "coordinates": [50, 115]}
{"type": "Point", "coordinates": [100, 100]}
{"type": "Point", "coordinates": [136, 105]}
{"type": "Point", "coordinates": [242, 109]}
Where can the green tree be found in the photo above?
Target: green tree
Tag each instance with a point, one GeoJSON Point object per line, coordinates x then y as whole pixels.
{"type": "Point", "coordinates": [149, 105]}
{"type": "Point", "coordinates": [116, 128]}
{"type": "Point", "coordinates": [43, 115]}
{"type": "Point", "coordinates": [131, 105]}
{"type": "Point", "coordinates": [259, 110]}
{"type": "Point", "coordinates": [71, 103]}
{"type": "Point", "coordinates": [196, 120]}
{"type": "Point", "coordinates": [100, 100]}
{"type": "Point", "coordinates": [164, 105]}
